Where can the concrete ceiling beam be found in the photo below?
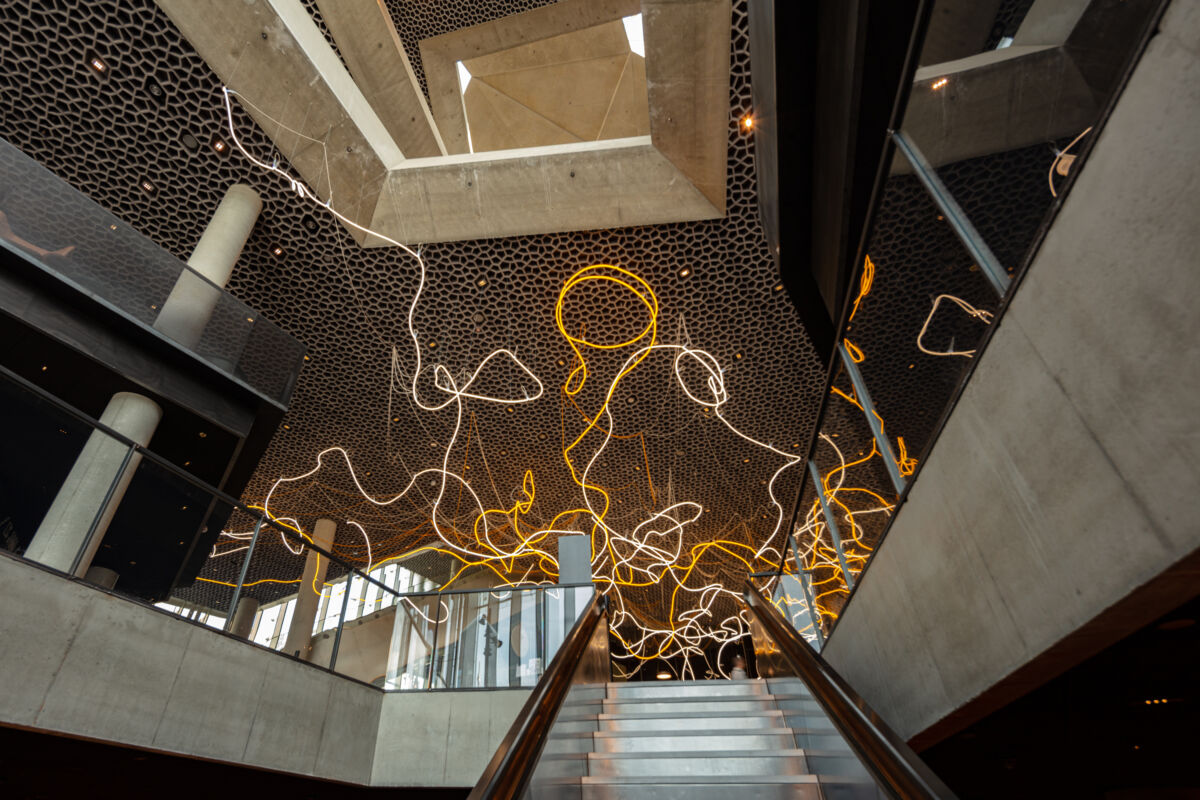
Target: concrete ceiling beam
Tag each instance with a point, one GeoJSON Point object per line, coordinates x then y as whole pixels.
{"type": "Point", "coordinates": [295, 88]}
{"type": "Point", "coordinates": [371, 47]}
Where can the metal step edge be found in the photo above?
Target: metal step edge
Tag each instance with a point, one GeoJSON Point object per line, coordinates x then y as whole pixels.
{"type": "Point", "coordinates": [770, 712]}
{"type": "Point", "coordinates": [685, 780]}
{"type": "Point", "coordinates": [720, 698]}
{"type": "Point", "coordinates": [721, 682]}
{"type": "Point", "coordinates": [709, 754]}
{"type": "Point", "coordinates": [670, 733]}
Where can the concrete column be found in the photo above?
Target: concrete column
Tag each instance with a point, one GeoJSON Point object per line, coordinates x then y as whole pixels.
{"type": "Point", "coordinates": [190, 305]}
{"type": "Point", "coordinates": [574, 559]}
{"type": "Point", "coordinates": [101, 576]}
{"type": "Point", "coordinates": [243, 617]}
{"type": "Point", "coordinates": [65, 527]}
{"type": "Point", "coordinates": [299, 638]}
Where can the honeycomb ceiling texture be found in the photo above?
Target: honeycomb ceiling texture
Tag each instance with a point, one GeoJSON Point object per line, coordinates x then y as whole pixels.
{"type": "Point", "coordinates": [715, 282]}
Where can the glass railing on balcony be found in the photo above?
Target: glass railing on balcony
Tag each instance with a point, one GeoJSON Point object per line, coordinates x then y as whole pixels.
{"type": "Point", "coordinates": [991, 140]}
{"type": "Point", "coordinates": [65, 234]}
{"type": "Point", "coordinates": [388, 625]}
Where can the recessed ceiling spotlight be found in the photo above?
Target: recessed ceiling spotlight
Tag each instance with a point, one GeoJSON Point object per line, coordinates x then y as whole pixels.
{"type": "Point", "coordinates": [683, 273]}
{"type": "Point", "coordinates": [154, 89]}
{"type": "Point", "coordinates": [748, 122]}
{"type": "Point", "coordinates": [97, 63]}
{"type": "Point", "coordinates": [309, 223]}
{"type": "Point", "coordinates": [218, 145]}
{"type": "Point", "coordinates": [277, 251]}
{"type": "Point", "coordinates": [146, 186]}
{"type": "Point", "coordinates": [779, 287]}
{"type": "Point", "coordinates": [190, 142]}
{"type": "Point", "coordinates": [663, 675]}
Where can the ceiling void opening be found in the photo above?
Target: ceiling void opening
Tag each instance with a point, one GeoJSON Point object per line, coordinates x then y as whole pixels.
{"type": "Point", "coordinates": [464, 80]}
{"type": "Point", "coordinates": [633, 31]}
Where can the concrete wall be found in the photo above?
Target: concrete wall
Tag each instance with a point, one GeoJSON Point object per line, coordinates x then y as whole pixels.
{"type": "Point", "coordinates": [441, 738]}
{"type": "Point", "coordinates": [86, 663]}
{"type": "Point", "coordinates": [1069, 474]}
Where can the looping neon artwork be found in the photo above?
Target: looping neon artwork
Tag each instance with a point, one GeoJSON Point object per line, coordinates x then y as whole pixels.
{"type": "Point", "coordinates": [672, 573]}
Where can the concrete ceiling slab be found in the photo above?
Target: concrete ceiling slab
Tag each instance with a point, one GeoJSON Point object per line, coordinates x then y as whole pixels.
{"type": "Point", "coordinates": [334, 138]}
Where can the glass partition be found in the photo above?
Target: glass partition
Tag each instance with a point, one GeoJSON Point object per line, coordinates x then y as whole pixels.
{"type": "Point", "coordinates": [1004, 105]}
{"type": "Point", "coordinates": [65, 234]}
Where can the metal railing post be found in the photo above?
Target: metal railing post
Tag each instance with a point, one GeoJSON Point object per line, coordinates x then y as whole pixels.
{"type": "Point", "coordinates": [108, 498]}
{"type": "Point", "coordinates": [337, 636]}
{"type": "Point", "coordinates": [831, 524]}
{"type": "Point", "coordinates": [952, 211]}
{"type": "Point", "coordinates": [237, 591]}
{"type": "Point", "coordinates": [864, 398]}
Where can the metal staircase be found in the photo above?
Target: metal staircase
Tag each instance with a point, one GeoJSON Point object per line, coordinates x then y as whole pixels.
{"type": "Point", "coordinates": [753, 739]}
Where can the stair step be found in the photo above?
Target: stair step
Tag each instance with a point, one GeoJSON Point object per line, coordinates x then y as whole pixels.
{"type": "Point", "coordinates": [681, 689]}
{"type": "Point", "coordinates": [692, 722]}
{"type": "Point", "coordinates": [675, 765]}
{"type": "Point", "coordinates": [686, 705]}
{"type": "Point", "coordinates": [721, 740]}
{"type": "Point", "coordinates": [791, 787]}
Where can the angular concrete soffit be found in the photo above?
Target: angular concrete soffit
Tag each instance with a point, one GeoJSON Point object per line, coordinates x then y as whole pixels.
{"type": "Point", "coordinates": [272, 52]}
{"type": "Point", "coordinates": [986, 104]}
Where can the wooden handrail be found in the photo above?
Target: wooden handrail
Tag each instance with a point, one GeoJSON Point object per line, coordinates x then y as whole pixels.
{"type": "Point", "coordinates": [890, 760]}
{"type": "Point", "coordinates": [510, 769]}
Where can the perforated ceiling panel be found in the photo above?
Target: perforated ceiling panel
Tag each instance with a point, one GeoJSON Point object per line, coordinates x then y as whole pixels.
{"type": "Point", "coordinates": [716, 285]}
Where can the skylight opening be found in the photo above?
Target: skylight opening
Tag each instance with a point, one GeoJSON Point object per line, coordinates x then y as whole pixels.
{"type": "Point", "coordinates": [464, 80]}
{"type": "Point", "coordinates": [633, 32]}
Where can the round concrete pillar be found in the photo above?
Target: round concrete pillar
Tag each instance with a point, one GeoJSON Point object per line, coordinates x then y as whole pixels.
{"type": "Point", "coordinates": [299, 638]}
{"type": "Point", "coordinates": [64, 530]}
{"type": "Point", "coordinates": [101, 576]}
{"type": "Point", "coordinates": [190, 305]}
{"type": "Point", "coordinates": [243, 617]}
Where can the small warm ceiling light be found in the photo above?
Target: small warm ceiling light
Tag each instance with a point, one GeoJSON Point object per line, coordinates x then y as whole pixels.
{"type": "Point", "coordinates": [683, 273]}
{"type": "Point", "coordinates": [249, 319]}
{"type": "Point", "coordinates": [187, 463]}
{"type": "Point", "coordinates": [664, 676]}
{"type": "Point", "coordinates": [395, 419]}
{"type": "Point", "coordinates": [44, 368]}
{"type": "Point", "coordinates": [745, 461]}
{"type": "Point", "coordinates": [748, 122]}
{"type": "Point", "coordinates": [203, 435]}
{"type": "Point", "coordinates": [183, 508]}
{"type": "Point", "coordinates": [779, 287]}
{"type": "Point", "coordinates": [277, 251]}
{"type": "Point", "coordinates": [97, 63]}
{"type": "Point", "coordinates": [481, 282]}
{"type": "Point", "coordinates": [939, 83]}
{"type": "Point", "coordinates": [432, 345]}
{"type": "Point", "coordinates": [737, 355]}
{"type": "Point", "coordinates": [287, 427]}
{"type": "Point", "coordinates": [306, 358]}
{"type": "Point", "coordinates": [218, 144]}
{"type": "Point", "coordinates": [112, 227]}
{"type": "Point", "coordinates": [146, 186]}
